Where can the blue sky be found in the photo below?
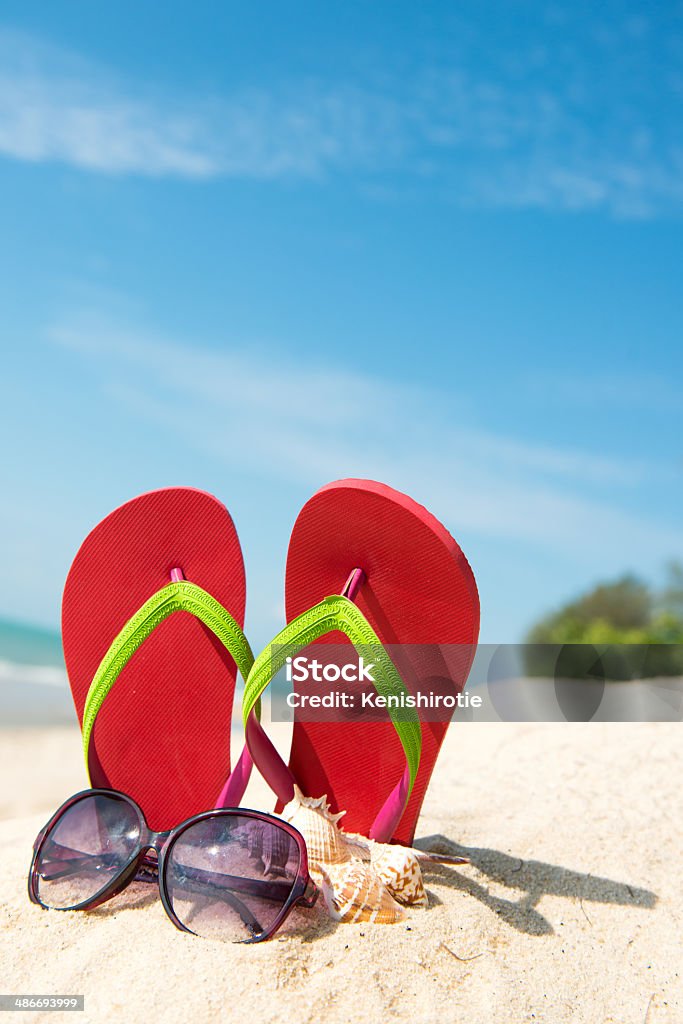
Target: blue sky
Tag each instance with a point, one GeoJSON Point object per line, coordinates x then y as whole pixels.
{"type": "Point", "coordinates": [254, 248]}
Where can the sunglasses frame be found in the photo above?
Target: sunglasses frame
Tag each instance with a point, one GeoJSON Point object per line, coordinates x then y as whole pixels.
{"type": "Point", "coordinates": [304, 890]}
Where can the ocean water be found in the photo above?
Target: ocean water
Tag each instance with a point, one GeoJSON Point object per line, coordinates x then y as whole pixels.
{"type": "Point", "coordinates": [34, 688]}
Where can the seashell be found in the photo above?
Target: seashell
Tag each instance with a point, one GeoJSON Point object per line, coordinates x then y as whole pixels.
{"type": "Point", "coordinates": [359, 846]}
{"type": "Point", "coordinates": [362, 880]}
{"type": "Point", "coordinates": [353, 892]}
{"type": "Point", "coordinates": [397, 866]}
{"type": "Point", "coordinates": [399, 869]}
{"type": "Point", "coordinates": [324, 840]}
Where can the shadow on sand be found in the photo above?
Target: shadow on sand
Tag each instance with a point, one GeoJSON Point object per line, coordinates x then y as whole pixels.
{"type": "Point", "coordinates": [534, 879]}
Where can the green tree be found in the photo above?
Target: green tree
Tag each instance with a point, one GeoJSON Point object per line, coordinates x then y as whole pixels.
{"type": "Point", "coordinates": [637, 631]}
{"type": "Point", "coordinates": [672, 595]}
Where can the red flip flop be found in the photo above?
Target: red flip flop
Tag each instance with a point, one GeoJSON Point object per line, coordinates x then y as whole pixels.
{"type": "Point", "coordinates": [152, 618]}
{"type": "Point", "coordinates": [417, 595]}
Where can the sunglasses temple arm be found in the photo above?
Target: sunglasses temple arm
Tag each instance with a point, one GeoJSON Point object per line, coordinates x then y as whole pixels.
{"type": "Point", "coordinates": [248, 919]}
{"type": "Point", "coordinates": [70, 864]}
{"type": "Point", "coordinates": [261, 888]}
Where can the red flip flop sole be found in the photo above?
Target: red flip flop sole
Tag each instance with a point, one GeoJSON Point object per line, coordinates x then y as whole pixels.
{"type": "Point", "coordinates": [163, 733]}
{"type": "Point", "coordinates": [419, 590]}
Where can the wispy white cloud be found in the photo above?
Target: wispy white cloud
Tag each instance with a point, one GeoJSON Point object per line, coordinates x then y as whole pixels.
{"type": "Point", "coordinates": [535, 132]}
{"type": "Point", "coordinates": [246, 408]}
{"type": "Point", "coordinates": [56, 107]}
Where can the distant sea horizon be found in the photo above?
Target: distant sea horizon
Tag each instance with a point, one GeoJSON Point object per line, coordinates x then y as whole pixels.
{"type": "Point", "coordinates": [34, 688]}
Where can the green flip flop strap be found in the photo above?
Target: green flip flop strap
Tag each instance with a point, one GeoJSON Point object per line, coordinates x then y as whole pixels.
{"type": "Point", "coordinates": [175, 597]}
{"type": "Point", "coordinates": [332, 614]}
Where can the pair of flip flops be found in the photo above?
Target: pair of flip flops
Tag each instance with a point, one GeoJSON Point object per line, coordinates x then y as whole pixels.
{"type": "Point", "coordinates": [152, 625]}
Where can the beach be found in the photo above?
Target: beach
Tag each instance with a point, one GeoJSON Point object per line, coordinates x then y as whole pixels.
{"type": "Point", "coordinates": [570, 910]}
{"type": "Point", "coordinates": [341, 393]}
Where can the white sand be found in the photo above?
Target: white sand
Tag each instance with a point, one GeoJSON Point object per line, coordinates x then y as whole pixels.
{"type": "Point", "coordinates": [570, 912]}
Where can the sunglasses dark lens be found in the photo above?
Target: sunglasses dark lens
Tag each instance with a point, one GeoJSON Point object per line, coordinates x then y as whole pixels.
{"type": "Point", "coordinates": [85, 850]}
{"type": "Point", "coordinates": [228, 877]}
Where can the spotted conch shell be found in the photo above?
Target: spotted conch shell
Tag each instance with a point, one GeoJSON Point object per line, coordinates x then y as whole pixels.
{"type": "Point", "coordinates": [399, 867]}
{"type": "Point", "coordinates": [354, 892]}
{"type": "Point", "coordinates": [360, 880]}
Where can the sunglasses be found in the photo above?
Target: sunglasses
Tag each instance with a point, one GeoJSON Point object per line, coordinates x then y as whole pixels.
{"type": "Point", "coordinates": [228, 874]}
